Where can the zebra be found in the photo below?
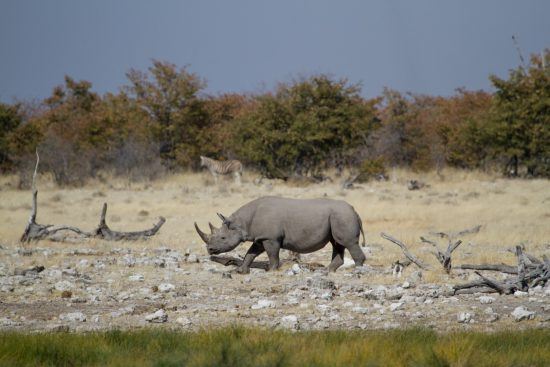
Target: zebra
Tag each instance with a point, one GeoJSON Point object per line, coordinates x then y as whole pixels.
{"type": "Point", "coordinates": [223, 168]}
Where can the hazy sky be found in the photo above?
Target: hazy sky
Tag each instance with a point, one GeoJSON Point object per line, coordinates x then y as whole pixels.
{"type": "Point", "coordinates": [247, 46]}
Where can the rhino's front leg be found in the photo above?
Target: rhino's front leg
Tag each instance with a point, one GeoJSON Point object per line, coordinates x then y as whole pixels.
{"type": "Point", "coordinates": [256, 249]}
{"type": "Point", "coordinates": [272, 248]}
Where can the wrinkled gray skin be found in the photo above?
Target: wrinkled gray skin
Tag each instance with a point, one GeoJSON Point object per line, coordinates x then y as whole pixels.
{"type": "Point", "coordinates": [303, 226]}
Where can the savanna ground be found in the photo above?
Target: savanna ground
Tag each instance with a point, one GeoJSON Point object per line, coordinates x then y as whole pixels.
{"type": "Point", "coordinates": [115, 285]}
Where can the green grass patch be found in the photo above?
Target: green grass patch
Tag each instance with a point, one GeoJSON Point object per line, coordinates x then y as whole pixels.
{"type": "Point", "coordinates": [239, 346]}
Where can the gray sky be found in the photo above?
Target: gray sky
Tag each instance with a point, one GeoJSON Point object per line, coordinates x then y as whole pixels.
{"type": "Point", "coordinates": [248, 46]}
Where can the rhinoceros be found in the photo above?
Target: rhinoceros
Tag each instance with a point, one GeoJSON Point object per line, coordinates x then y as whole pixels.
{"type": "Point", "coordinates": [299, 225]}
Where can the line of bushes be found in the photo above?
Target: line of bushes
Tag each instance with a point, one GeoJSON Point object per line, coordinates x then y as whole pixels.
{"type": "Point", "coordinates": [162, 120]}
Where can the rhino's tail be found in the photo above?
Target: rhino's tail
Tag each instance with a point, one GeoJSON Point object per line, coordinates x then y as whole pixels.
{"type": "Point", "coordinates": [361, 229]}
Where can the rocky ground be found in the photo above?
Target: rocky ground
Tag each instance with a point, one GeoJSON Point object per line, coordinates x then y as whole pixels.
{"type": "Point", "coordinates": [102, 287]}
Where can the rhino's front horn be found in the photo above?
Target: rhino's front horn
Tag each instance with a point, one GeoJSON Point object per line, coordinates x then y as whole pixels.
{"type": "Point", "coordinates": [203, 235]}
{"type": "Point", "coordinates": [212, 228]}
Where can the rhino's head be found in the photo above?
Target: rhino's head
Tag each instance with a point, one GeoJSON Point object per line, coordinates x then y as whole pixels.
{"type": "Point", "coordinates": [222, 239]}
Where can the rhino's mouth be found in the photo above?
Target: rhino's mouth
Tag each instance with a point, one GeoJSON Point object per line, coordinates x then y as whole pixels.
{"type": "Point", "coordinates": [212, 251]}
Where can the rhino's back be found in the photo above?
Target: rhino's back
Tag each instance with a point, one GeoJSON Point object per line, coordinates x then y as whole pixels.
{"type": "Point", "coordinates": [275, 205]}
{"type": "Point", "coordinates": [301, 222]}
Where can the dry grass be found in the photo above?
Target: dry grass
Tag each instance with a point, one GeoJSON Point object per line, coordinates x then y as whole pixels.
{"type": "Point", "coordinates": [237, 346]}
{"type": "Point", "coordinates": [510, 211]}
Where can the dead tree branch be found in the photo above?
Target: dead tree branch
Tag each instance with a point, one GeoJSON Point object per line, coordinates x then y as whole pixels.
{"type": "Point", "coordinates": [227, 261]}
{"type": "Point", "coordinates": [527, 276]}
{"type": "Point", "coordinates": [406, 252]}
{"type": "Point", "coordinates": [35, 231]}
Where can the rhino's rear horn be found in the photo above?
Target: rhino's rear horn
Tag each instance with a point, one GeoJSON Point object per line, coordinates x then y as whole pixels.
{"type": "Point", "coordinates": [224, 219]}
{"type": "Point", "coordinates": [203, 235]}
{"type": "Point", "coordinates": [212, 228]}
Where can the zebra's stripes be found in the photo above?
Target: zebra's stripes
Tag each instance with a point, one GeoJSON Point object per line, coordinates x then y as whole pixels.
{"type": "Point", "coordinates": [216, 168]}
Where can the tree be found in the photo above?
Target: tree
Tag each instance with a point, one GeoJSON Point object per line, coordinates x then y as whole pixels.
{"type": "Point", "coordinates": [521, 125]}
{"type": "Point", "coordinates": [303, 126]}
{"type": "Point", "coordinates": [176, 112]}
{"type": "Point", "coordinates": [10, 119]}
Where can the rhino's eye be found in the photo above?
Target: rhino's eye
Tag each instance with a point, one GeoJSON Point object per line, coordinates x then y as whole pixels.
{"type": "Point", "coordinates": [223, 238]}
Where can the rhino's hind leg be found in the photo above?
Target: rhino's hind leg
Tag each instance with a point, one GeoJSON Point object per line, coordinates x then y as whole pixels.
{"type": "Point", "coordinates": [337, 256]}
{"type": "Point", "coordinates": [356, 254]}
{"type": "Point", "coordinates": [272, 248]}
{"type": "Point", "coordinates": [256, 249]}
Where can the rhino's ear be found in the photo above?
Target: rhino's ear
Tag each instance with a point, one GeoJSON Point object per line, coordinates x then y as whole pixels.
{"type": "Point", "coordinates": [224, 219]}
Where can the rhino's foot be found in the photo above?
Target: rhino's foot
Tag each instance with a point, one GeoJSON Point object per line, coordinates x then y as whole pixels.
{"type": "Point", "coordinates": [242, 269]}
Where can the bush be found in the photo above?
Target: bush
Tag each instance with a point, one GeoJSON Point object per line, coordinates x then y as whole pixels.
{"type": "Point", "coordinates": [372, 169]}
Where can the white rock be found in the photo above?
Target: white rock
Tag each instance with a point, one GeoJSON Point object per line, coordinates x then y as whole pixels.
{"type": "Point", "coordinates": [123, 311]}
{"type": "Point", "coordinates": [464, 317]}
{"type": "Point", "coordinates": [520, 294]}
{"type": "Point", "coordinates": [263, 303]}
{"type": "Point", "coordinates": [360, 309]}
{"type": "Point", "coordinates": [396, 306]}
{"type": "Point", "coordinates": [296, 269]}
{"type": "Point", "coordinates": [63, 285]}
{"type": "Point", "coordinates": [521, 313]}
{"type": "Point", "coordinates": [166, 287]}
{"type": "Point", "coordinates": [348, 263]}
{"type": "Point", "coordinates": [292, 301]}
{"type": "Point", "coordinates": [486, 300]}
{"type": "Point", "coordinates": [406, 285]}
{"type": "Point", "coordinates": [184, 321]}
{"type": "Point", "coordinates": [323, 308]}
{"type": "Point", "coordinates": [136, 278]}
{"type": "Point", "coordinates": [72, 316]}
{"type": "Point", "coordinates": [327, 296]}
{"type": "Point", "coordinates": [158, 316]}
{"type": "Point", "coordinates": [54, 273]}
{"type": "Point", "coordinates": [289, 322]}
{"type": "Point", "coordinates": [192, 258]}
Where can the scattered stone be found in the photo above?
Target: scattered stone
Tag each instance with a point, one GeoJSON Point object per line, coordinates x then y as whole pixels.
{"type": "Point", "coordinates": [59, 328]}
{"type": "Point", "coordinates": [263, 303]}
{"type": "Point", "coordinates": [396, 306]}
{"type": "Point", "coordinates": [464, 317]}
{"type": "Point", "coordinates": [159, 316]}
{"type": "Point", "coordinates": [192, 258]}
{"type": "Point", "coordinates": [521, 313]}
{"type": "Point", "coordinates": [520, 294]}
{"type": "Point", "coordinates": [415, 277]}
{"type": "Point", "coordinates": [166, 287]}
{"type": "Point", "coordinates": [320, 283]}
{"type": "Point", "coordinates": [492, 316]}
{"type": "Point", "coordinates": [128, 310]}
{"type": "Point", "coordinates": [359, 309]}
{"type": "Point", "coordinates": [226, 275]}
{"type": "Point", "coordinates": [183, 321]}
{"type": "Point", "coordinates": [136, 278]}
{"type": "Point", "coordinates": [72, 317]}
{"type": "Point", "coordinates": [296, 269]}
{"type": "Point", "coordinates": [406, 285]}
{"type": "Point", "coordinates": [486, 300]}
{"type": "Point", "coordinates": [63, 285]}
{"type": "Point", "coordinates": [289, 322]}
